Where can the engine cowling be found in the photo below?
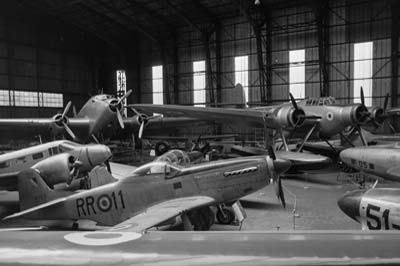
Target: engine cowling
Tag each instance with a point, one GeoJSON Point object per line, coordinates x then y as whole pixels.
{"type": "Point", "coordinates": [56, 128]}
{"type": "Point", "coordinates": [359, 114]}
{"type": "Point", "coordinates": [377, 115]}
{"type": "Point", "coordinates": [289, 117]}
{"type": "Point", "coordinates": [56, 169]}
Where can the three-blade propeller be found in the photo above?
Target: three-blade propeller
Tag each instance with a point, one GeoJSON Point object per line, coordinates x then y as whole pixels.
{"type": "Point", "coordinates": [62, 120]}
{"type": "Point", "coordinates": [117, 106]}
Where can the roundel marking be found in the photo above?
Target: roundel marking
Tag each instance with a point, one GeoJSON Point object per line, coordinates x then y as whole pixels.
{"type": "Point", "coordinates": [329, 115]}
{"type": "Point", "coordinates": [101, 238]}
{"type": "Point", "coordinates": [104, 203]}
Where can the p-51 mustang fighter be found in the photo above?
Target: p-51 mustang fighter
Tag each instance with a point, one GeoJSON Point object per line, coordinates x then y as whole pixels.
{"type": "Point", "coordinates": [57, 161]}
{"type": "Point", "coordinates": [155, 193]}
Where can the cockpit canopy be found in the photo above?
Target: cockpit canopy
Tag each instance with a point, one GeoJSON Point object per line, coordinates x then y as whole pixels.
{"type": "Point", "coordinates": [176, 157]}
{"type": "Point", "coordinates": [156, 168]}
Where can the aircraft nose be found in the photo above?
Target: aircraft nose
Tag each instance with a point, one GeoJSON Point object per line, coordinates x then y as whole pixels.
{"type": "Point", "coordinates": [346, 155]}
{"type": "Point", "coordinates": [99, 154]}
{"type": "Point", "coordinates": [281, 165]}
{"type": "Point", "coordinates": [349, 203]}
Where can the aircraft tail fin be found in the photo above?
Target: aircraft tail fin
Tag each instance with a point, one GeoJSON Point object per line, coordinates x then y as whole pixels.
{"type": "Point", "coordinates": [33, 190]}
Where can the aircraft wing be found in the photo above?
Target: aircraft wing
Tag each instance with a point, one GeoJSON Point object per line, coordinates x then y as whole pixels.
{"type": "Point", "coordinates": [41, 124]}
{"type": "Point", "coordinates": [162, 212]}
{"type": "Point", "coordinates": [250, 117]}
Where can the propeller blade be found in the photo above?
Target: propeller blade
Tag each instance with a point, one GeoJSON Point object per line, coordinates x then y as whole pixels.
{"type": "Point", "coordinates": [124, 97]}
{"type": "Point", "coordinates": [385, 104]}
{"type": "Point", "coordinates": [362, 96]}
{"type": "Point", "coordinates": [136, 112]}
{"type": "Point", "coordinates": [66, 109]}
{"type": "Point", "coordinates": [107, 163]}
{"type": "Point", "coordinates": [279, 192]}
{"type": "Point", "coordinates": [141, 130]}
{"type": "Point", "coordinates": [293, 101]}
{"type": "Point", "coordinates": [77, 164]}
{"type": "Point", "coordinates": [74, 110]}
{"type": "Point", "coordinates": [271, 153]}
{"type": "Point", "coordinates": [69, 131]}
{"type": "Point", "coordinates": [120, 120]}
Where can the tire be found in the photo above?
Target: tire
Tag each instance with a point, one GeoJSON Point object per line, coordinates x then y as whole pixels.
{"type": "Point", "coordinates": [228, 218]}
{"type": "Point", "coordinates": [161, 148]}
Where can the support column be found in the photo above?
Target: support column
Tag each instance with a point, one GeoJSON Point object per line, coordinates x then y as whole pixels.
{"type": "Point", "coordinates": [138, 66]}
{"type": "Point", "coordinates": [165, 75]}
{"type": "Point", "coordinates": [268, 57]}
{"type": "Point", "coordinates": [218, 62]}
{"type": "Point", "coordinates": [322, 18]}
{"type": "Point", "coordinates": [395, 52]}
{"type": "Point", "coordinates": [176, 69]}
{"type": "Point", "coordinates": [209, 73]}
{"type": "Point", "coordinates": [261, 70]}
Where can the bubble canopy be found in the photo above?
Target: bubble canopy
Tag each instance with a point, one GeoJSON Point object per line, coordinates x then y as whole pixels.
{"type": "Point", "coordinates": [156, 168]}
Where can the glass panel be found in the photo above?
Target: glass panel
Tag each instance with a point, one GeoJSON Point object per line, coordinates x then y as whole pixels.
{"type": "Point", "coordinates": [297, 73]}
{"type": "Point", "coordinates": [199, 83]}
{"type": "Point", "coordinates": [26, 98]}
{"type": "Point", "coordinates": [157, 84]}
{"type": "Point", "coordinates": [363, 71]}
{"type": "Point", "coordinates": [242, 75]}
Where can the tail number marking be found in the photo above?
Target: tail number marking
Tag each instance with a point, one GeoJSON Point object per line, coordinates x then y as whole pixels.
{"type": "Point", "coordinates": [90, 205]}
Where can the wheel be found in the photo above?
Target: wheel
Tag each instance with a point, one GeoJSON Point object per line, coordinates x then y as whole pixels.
{"type": "Point", "coordinates": [202, 219]}
{"type": "Point", "coordinates": [227, 217]}
{"type": "Point", "coordinates": [161, 148]}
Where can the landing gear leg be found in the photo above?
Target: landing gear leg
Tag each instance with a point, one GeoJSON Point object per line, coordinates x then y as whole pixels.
{"type": "Point", "coordinates": [75, 225]}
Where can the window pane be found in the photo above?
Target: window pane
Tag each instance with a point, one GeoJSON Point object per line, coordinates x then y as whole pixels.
{"type": "Point", "coordinates": [121, 87]}
{"type": "Point", "coordinates": [297, 73]}
{"type": "Point", "coordinates": [157, 85]}
{"type": "Point", "coordinates": [51, 99]}
{"type": "Point", "coordinates": [363, 71]}
{"type": "Point", "coordinates": [242, 75]}
{"type": "Point", "coordinates": [4, 98]}
{"type": "Point", "coordinates": [26, 98]}
{"type": "Point", "coordinates": [199, 83]}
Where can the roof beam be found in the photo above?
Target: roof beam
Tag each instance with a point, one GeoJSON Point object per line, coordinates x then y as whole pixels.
{"type": "Point", "coordinates": [183, 16]}
{"type": "Point", "coordinates": [149, 13]}
{"type": "Point", "coordinates": [132, 24]}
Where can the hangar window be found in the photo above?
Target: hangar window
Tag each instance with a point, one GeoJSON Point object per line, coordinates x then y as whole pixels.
{"type": "Point", "coordinates": [363, 71]}
{"type": "Point", "coordinates": [26, 98]}
{"type": "Point", "coordinates": [158, 96]}
{"type": "Point", "coordinates": [297, 73]}
{"type": "Point", "coordinates": [4, 98]}
{"type": "Point", "coordinates": [121, 86]}
{"type": "Point", "coordinates": [242, 75]}
{"type": "Point", "coordinates": [51, 99]}
{"type": "Point", "coordinates": [199, 83]}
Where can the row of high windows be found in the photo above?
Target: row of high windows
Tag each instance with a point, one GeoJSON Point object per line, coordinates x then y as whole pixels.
{"type": "Point", "coordinates": [30, 99]}
{"type": "Point", "coordinates": [363, 57]}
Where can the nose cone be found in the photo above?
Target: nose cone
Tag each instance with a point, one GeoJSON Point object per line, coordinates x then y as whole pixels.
{"type": "Point", "coordinates": [281, 165]}
{"type": "Point", "coordinates": [349, 203]}
{"type": "Point", "coordinates": [348, 155]}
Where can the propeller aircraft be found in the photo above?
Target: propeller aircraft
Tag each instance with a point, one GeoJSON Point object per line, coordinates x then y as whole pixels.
{"type": "Point", "coordinates": [154, 193]}
{"type": "Point", "coordinates": [58, 161]}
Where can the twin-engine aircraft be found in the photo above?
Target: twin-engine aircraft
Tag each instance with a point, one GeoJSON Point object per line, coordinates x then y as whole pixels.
{"type": "Point", "coordinates": [98, 112]}
{"type": "Point", "coordinates": [154, 193]}
{"type": "Point", "coordinates": [57, 162]}
{"type": "Point", "coordinates": [320, 115]}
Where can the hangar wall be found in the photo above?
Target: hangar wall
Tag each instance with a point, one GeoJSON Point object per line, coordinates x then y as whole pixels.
{"type": "Point", "coordinates": [40, 54]}
{"type": "Point", "coordinates": [298, 27]}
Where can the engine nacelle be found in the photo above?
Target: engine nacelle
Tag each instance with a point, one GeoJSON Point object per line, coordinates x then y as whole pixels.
{"type": "Point", "coordinates": [56, 169]}
{"type": "Point", "coordinates": [289, 117]}
{"type": "Point", "coordinates": [56, 128]}
{"type": "Point", "coordinates": [357, 114]}
{"type": "Point", "coordinates": [377, 115]}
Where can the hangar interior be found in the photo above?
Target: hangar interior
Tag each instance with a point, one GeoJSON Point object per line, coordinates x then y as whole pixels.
{"type": "Point", "coordinates": [194, 52]}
